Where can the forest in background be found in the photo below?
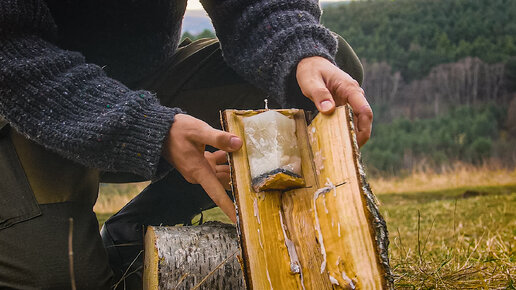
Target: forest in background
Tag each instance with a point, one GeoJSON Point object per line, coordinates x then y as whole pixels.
{"type": "Point", "coordinates": [414, 36]}
{"type": "Point", "coordinates": [440, 75]}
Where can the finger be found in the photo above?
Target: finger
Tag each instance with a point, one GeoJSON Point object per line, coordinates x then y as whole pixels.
{"type": "Point", "coordinates": [211, 160]}
{"type": "Point", "coordinates": [362, 110]}
{"type": "Point", "coordinates": [222, 169]}
{"type": "Point", "coordinates": [364, 128]}
{"type": "Point", "coordinates": [210, 183]}
{"type": "Point", "coordinates": [224, 179]}
{"type": "Point", "coordinates": [218, 139]}
{"type": "Point", "coordinates": [221, 157]}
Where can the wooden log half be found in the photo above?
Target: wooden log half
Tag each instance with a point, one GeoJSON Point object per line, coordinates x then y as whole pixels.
{"type": "Point", "coordinates": [360, 248]}
{"type": "Point", "coordinates": [194, 257]}
{"type": "Point", "coordinates": [326, 235]}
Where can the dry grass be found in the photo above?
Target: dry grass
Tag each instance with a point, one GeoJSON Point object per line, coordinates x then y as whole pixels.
{"type": "Point", "coordinates": [440, 237]}
{"type": "Point", "coordinates": [458, 175]}
{"type": "Point", "coordinates": [451, 242]}
{"type": "Point", "coordinates": [112, 197]}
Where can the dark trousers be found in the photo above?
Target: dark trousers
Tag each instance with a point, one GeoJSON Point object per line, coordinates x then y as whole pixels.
{"type": "Point", "coordinates": [41, 225]}
{"type": "Point", "coordinates": [199, 82]}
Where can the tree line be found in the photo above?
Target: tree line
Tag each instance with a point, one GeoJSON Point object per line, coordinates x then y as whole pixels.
{"type": "Point", "coordinates": [469, 81]}
{"type": "Point", "coordinates": [413, 36]}
{"type": "Point", "coordinates": [469, 134]}
{"type": "Point", "coordinates": [206, 33]}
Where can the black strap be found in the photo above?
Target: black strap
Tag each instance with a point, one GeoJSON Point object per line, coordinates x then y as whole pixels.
{"type": "Point", "coordinates": [4, 127]}
{"type": "Point", "coordinates": [18, 202]}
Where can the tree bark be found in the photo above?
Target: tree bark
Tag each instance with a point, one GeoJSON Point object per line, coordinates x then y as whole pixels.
{"type": "Point", "coordinates": [182, 257]}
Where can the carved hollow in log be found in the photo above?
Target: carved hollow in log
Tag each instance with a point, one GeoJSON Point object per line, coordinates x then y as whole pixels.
{"type": "Point", "coordinates": [327, 234]}
{"type": "Point", "coordinates": [272, 151]}
{"type": "Point", "coordinates": [202, 256]}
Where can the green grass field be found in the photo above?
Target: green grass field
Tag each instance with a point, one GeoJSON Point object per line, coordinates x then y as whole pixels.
{"type": "Point", "coordinates": [463, 238]}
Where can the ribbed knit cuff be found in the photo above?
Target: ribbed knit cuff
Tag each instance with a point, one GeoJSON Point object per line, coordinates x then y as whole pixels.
{"type": "Point", "coordinates": [137, 143]}
{"type": "Point", "coordinates": [264, 40]}
{"type": "Point", "coordinates": [299, 43]}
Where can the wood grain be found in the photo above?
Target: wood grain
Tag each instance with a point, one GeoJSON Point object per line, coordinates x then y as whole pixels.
{"type": "Point", "coordinates": [329, 221]}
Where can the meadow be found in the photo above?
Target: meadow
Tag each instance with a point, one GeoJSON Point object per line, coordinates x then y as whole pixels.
{"type": "Point", "coordinates": [455, 229]}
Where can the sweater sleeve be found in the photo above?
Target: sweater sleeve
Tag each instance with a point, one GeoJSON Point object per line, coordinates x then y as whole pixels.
{"type": "Point", "coordinates": [264, 40]}
{"type": "Point", "coordinates": [71, 107]}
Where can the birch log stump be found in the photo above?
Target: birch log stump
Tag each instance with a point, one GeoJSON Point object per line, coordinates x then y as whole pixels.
{"type": "Point", "coordinates": [195, 257]}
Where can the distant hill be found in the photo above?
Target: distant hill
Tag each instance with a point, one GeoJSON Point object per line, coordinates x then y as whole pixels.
{"type": "Point", "coordinates": [326, 4]}
{"type": "Point", "coordinates": [196, 21]}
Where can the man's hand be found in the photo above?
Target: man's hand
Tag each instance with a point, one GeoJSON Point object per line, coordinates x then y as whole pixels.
{"type": "Point", "coordinates": [328, 86]}
{"type": "Point", "coordinates": [219, 164]}
{"type": "Point", "coordinates": [184, 149]}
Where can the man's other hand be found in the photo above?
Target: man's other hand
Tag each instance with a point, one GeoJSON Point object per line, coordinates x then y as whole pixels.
{"type": "Point", "coordinates": [219, 164]}
{"type": "Point", "coordinates": [328, 86]}
{"type": "Point", "coordinates": [184, 149]}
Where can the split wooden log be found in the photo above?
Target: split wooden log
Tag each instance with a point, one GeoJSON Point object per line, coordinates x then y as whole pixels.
{"type": "Point", "coordinates": [328, 234]}
{"type": "Point", "coordinates": [195, 257]}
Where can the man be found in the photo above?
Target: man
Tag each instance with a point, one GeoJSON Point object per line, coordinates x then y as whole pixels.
{"type": "Point", "coordinates": [69, 121]}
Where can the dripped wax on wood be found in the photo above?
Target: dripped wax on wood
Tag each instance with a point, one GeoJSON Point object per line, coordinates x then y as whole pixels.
{"type": "Point", "coordinates": [272, 151]}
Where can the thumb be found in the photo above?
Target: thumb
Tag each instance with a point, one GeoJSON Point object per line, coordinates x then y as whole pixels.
{"type": "Point", "coordinates": [219, 139]}
{"type": "Point", "coordinates": [320, 96]}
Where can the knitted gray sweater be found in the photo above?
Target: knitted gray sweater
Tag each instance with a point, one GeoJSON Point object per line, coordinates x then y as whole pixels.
{"type": "Point", "coordinates": [65, 101]}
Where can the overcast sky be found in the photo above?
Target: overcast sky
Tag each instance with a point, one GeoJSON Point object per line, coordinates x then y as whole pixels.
{"type": "Point", "coordinates": [194, 4]}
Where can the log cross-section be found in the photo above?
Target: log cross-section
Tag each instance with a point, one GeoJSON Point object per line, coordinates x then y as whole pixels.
{"type": "Point", "coordinates": [326, 235]}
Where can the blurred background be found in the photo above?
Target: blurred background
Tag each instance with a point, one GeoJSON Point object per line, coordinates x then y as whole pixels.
{"type": "Point", "coordinates": [440, 75]}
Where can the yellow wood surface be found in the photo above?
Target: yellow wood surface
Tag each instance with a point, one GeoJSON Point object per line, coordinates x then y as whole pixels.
{"type": "Point", "coordinates": [259, 223]}
{"type": "Point", "coordinates": [151, 261]}
{"type": "Point", "coordinates": [344, 221]}
{"type": "Point", "coordinates": [297, 208]}
{"type": "Point", "coordinates": [327, 154]}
